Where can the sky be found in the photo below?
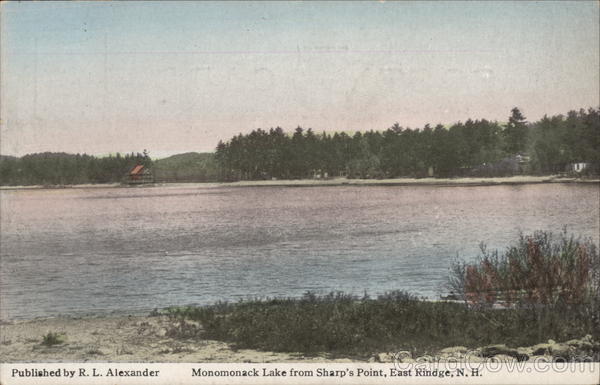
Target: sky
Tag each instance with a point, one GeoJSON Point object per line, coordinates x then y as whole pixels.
{"type": "Point", "coordinates": [173, 77]}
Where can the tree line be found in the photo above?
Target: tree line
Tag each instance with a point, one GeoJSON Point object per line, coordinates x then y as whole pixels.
{"type": "Point", "coordinates": [475, 147]}
{"type": "Point", "coordinates": [59, 168]}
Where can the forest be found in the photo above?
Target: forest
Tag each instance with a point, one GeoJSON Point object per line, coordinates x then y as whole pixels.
{"type": "Point", "coordinates": [471, 148]}
{"type": "Point", "coordinates": [59, 168]}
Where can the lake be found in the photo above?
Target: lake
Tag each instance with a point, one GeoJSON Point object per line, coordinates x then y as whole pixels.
{"type": "Point", "coordinates": [103, 250]}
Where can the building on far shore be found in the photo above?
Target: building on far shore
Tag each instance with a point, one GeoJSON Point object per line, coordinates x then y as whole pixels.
{"type": "Point", "coordinates": [139, 175]}
{"type": "Point", "coordinates": [577, 168]}
{"type": "Point", "coordinates": [516, 164]}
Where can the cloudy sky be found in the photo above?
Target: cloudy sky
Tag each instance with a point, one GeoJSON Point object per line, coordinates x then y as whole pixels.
{"type": "Point", "coordinates": [171, 77]}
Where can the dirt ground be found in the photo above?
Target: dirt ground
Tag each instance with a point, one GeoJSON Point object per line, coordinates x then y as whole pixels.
{"type": "Point", "coordinates": [125, 339]}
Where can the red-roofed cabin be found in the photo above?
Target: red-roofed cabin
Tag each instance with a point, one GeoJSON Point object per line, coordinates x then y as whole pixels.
{"type": "Point", "coordinates": [140, 174]}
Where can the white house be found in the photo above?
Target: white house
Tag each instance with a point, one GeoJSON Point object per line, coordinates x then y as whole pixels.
{"type": "Point", "coordinates": [578, 167]}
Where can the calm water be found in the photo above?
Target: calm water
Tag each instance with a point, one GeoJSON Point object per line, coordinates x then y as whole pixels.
{"type": "Point", "coordinates": [77, 251]}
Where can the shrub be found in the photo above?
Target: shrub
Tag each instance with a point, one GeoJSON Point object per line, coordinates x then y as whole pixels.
{"type": "Point", "coordinates": [51, 339]}
{"type": "Point", "coordinates": [539, 269]}
{"type": "Point", "coordinates": [548, 275]}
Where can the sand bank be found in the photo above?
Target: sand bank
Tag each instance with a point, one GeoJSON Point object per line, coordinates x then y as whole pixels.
{"type": "Point", "coordinates": [124, 339]}
{"type": "Point", "coordinates": [521, 179]}
{"type": "Point", "coordinates": [513, 180]}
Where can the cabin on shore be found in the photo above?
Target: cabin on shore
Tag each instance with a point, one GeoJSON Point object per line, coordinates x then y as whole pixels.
{"type": "Point", "coordinates": [516, 164]}
{"type": "Point", "coordinates": [577, 168]}
{"type": "Point", "coordinates": [139, 175]}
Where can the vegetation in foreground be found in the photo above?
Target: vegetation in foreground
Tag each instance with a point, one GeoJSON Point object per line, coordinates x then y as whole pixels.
{"type": "Point", "coordinates": [540, 269]}
{"type": "Point", "coordinates": [341, 323]}
{"type": "Point", "coordinates": [51, 339]}
{"type": "Point", "coordinates": [561, 305]}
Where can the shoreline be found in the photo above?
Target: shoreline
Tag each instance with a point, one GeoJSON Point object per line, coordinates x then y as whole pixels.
{"type": "Point", "coordinates": [442, 182]}
{"type": "Point", "coordinates": [157, 338]}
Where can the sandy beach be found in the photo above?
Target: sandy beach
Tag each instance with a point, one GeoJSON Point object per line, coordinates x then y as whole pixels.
{"type": "Point", "coordinates": [124, 339]}
{"type": "Point", "coordinates": [513, 180]}
{"type": "Point", "coordinates": [163, 339]}
{"type": "Point", "coordinates": [520, 179]}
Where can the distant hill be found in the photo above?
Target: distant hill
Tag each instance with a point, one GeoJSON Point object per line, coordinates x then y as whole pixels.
{"type": "Point", "coordinates": [187, 167]}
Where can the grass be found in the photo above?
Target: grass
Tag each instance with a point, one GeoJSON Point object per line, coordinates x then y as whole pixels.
{"type": "Point", "coordinates": [338, 323]}
{"type": "Point", "coordinates": [94, 351]}
{"type": "Point", "coordinates": [51, 339]}
{"type": "Point", "coordinates": [343, 324]}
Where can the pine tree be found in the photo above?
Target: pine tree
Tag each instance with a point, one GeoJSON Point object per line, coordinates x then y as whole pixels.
{"type": "Point", "coordinates": [515, 133]}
